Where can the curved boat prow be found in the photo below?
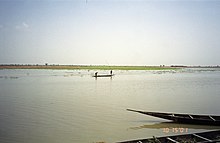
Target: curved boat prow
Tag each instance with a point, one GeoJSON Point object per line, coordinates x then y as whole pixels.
{"type": "Point", "coordinates": [184, 118]}
{"type": "Point", "coordinates": [138, 111]}
{"type": "Point", "coordinates": [131, 110]}
{"type": "Point", "coordinates": [154, 114]}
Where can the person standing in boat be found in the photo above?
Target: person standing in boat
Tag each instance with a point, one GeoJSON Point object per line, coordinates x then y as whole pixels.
{"type": "Point", "coordinates": [111, 72]}
{"type": "Point", "coordinates": [96, 74]}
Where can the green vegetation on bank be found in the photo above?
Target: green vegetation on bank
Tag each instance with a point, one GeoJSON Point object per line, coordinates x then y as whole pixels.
{"type": "Point", "coordinates": [127, 68]}
{"type": "Point", "coordinates": [83, 67]}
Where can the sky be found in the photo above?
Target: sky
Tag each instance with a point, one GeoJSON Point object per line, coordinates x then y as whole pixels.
{"type": "Point", "coordinates": [110, 32]}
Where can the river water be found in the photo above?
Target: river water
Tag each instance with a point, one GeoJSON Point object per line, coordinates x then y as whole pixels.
{"type": "Point", "coordinates": [71, 106]}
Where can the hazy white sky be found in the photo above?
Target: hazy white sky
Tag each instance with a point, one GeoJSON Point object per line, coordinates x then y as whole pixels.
{"type": "Point", "coordinates": [124, 32]}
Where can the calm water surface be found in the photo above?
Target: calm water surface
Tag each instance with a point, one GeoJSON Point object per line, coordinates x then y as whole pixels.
{"type": "Point", "coordinates": [70, 106]}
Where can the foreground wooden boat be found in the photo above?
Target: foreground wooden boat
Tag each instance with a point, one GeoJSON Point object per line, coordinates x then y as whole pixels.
{"type": "Point", "coordinates": [202, 137]}
{"type": "Point", "coordinates": [104, 75]}
{"type": "Point", "coordinates": [184, 118]}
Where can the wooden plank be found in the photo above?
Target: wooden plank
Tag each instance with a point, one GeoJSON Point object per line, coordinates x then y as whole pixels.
{"type": "Point", "coordinates": [211, 118]}
{"type": "Point", "coordinates": [172, 140]}
{"type": "Point", "coordinates": [202, 137]}
{"type": "Point", "coordinates": [190, 116]}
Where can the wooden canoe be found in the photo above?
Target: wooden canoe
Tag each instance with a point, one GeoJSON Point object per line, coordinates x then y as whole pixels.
{"type": "Point", "coordinates": [104, 75]}
{"type": "Point", "coordinates": [202, 137]}
{"type": "Point", "coordinates": [184, 118]}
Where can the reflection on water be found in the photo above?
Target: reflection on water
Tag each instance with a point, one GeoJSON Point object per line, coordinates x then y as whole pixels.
{"type": "Point", "coordinates": [53, 106]}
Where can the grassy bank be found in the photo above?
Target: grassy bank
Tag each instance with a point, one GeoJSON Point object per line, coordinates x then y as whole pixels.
{"type": "Point", "coordinates": [80, 67]}
{"type": "Point", "coordinates": [127, 68]}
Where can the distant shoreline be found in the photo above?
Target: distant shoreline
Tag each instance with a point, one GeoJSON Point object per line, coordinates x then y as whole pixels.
{"type": "Point", "coordinates": [100, 67]}
{"type": "Point", "coordinates": [87, 67]}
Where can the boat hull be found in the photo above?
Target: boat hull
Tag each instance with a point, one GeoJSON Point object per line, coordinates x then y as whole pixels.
{"type": "Point", "coordinates": [184, 118]}
{"type": "Point", "coordinates": [202, 137]}
{"type": "Point", "coordinates": [104, 75]}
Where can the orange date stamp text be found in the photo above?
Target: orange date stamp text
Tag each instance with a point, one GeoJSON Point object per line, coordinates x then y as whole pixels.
{"type": "Point", "coordinates": [175, 130]}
